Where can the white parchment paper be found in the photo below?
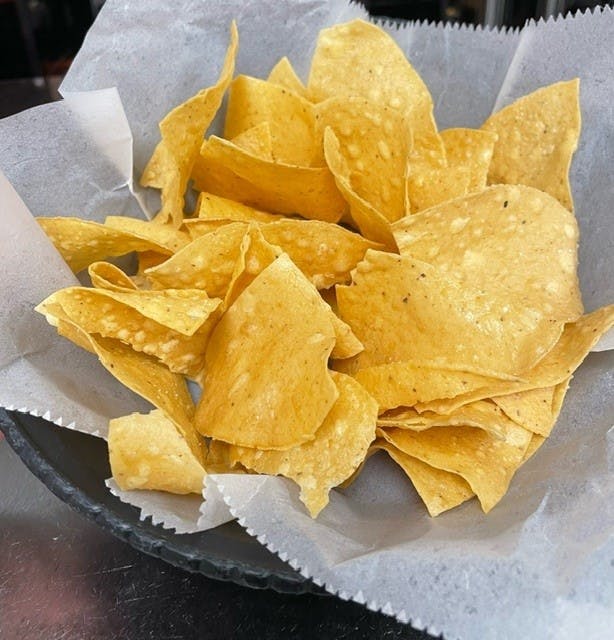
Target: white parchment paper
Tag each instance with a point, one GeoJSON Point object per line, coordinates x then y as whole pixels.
{"type": "Point", "coordinates": [541, 564]}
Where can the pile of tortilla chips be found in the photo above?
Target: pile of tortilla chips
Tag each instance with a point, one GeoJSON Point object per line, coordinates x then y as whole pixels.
{"type": "Point", "coordinates": [351, 279]}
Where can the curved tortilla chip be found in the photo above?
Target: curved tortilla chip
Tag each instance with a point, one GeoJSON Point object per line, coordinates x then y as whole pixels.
{"type": "Point", "coordinates": [105, 275]}
{"type": "Point", "coordinates": [103, 313]}
{"type": "Point", "coordinates": [485, 462]}
{"type": "Point", "coordinates": [481, 414]}
{"type": "Point", "coordinates": [372, 224]}
{"type": "Point", "coordinates": [231, 172]}
{"type": "Point", "coordinates": [340, 445]}
{"type": "Point", "coordinates": [290, 118]}
{"type": "Point", "coordinates": [82, 242]}
{"type": "Point", "coordinates": [147, 451]}
{"type": "Point", "coordinates": [440, 490]}
{"type": "Point", "coordinates": [405, 310]}
{"type": "Point", "coordinates": [374, 140]}
{"type": "Point", "coordinates": [359, 59]}
{"type": "Point", "coordinates": [477, 241]}
{"type": "Point", "coordinates": [266, 383]}
{"type": "Point", "coordinates": [182, 132]}
{"type": "Point", "coordinates": [537, 137]}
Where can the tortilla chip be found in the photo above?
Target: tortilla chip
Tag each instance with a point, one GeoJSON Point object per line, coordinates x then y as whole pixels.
{"type": "Point", "coordinates": [428, 185]}
{"type": "Point", "coordinates": [471, 149]}
{"type": "Point", "coordinates": [142, 323]}
{"type": "Point", "coordinates": [82, 242]}
{"type": "Point", "coordinates": [485, 462]}
{"type": "Point", "coordinates": [284, 75]}
{"type": "Point", "coordinates": [210, 207]}
{"type": "Point", "coordinates": [476, 241]}
{"type": "Point", "coordinates": [266, 383]}
{"type": "Point", "coordinates": [405, 310]}
{"type": "Point", "coordinates": [165, 235]}
{"type": "Point", "coordinates": [147, 451]}
{"type": "Point", "coordinates": [440, 490]}
{"type": "Point", "coordinates": [575, 343]}
{"type": "Point", "coordinates": [255, 255]}
{"type": "Point", "coordinates": [105, 275]}
{"type": "Point", "coordinates": [404, 384]}
{"type": "Point", "coordinates": [360, 59]}
{"type": "Point", "coordinates": [339, 447]}
{"type": "Point", "coordinates": [182, 131]}
{"type": "Point", "coordinates": [141, 373]}
{"type": "Point", "coordinates": [372, 224]}
{"type": "Point", "coordinates": [256, 141]}
{"type": "Point", "coordinates": [482, 414]}
{"type": "Point", "coordinates": [374, 140]}
{"type": "Point", "coordinates": [531, 409]}
{"type": "Point", "coordinates": [537, 137]}
{"type": "Point", "coordinates": [206, 263]}
{"type": "Point", "coordinates": [290, 118]}
{"type": "Point", "coordinates": [324, 252]}
{"type": "Point", "coordinates": [229, 171]}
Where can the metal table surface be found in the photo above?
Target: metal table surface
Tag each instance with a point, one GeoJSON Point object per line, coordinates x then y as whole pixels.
{"type": "Point", "coordinates": [61, 577]}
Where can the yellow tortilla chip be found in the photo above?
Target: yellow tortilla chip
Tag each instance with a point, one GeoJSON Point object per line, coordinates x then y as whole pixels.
{"type": "Point", "coordinates": [531, 409]}
{"type": "Point", "coordinates": [255, 255]}
{"type": "Point", "coordinates": [535, 443]}
{"type": "Point", "coordinates": [139, 372]}
{"type": "Point", "coordinates": [405, 310]}
{"type": "Point", "coordinates": [359, 59]}
{"type": "Point", "coordinates": [252, 102]}
{"type": "Point", "coordinates": [257, 141]}
{"type": "Point", "coordinates": [428, 185]}
{"type": "Point", "coordinates": [147, 260]}
{"type": "Point", "coordinates": [482, 414]}
{"type": "Point", "coordinates": [440, 490]}
{"type": "Point", "coordinates": [374, 140]}
{"type": "Point", "coordinates": [485, 462]}
{"type": "Point", "coordinates": [206, 263]}
{"type": "Point", "coordinates": [340, 445]}
{"type": "Point", "coordinates": [537, 137]}
{"type": "Point", "coordinates": [372, 224]}
{"type": "Point", "coordinates": [231, 172]}
{"type": "Point", "coordinates": [105, 275]}
{"type": "Point", "coordinates": [324, 252]}
{"type": "Point", "coordinates": [576, 341]}
{"type": "Point", "coordinates": [284, 75]}
{"type": "Point", "coordinates": [476, 242]}
{"type": "Point", "coordinates": [147, 451]}
{"type": "Point", "coordinates": [110, 314]}
{"type": "Point", "coordinates": [82, 242]}
{"type": "Point", "coordinates": [471, 149]}
{"type": "Point", "coordinates": [404, 384]}
{"type": "Point", "coordinates": [263, 356]}
{"type": "Point", "coordinates": [163, 234]}
{"type": "Point", "coordinates": [182, 131]}
{"type": "Point", "coordinates": [210, 207]}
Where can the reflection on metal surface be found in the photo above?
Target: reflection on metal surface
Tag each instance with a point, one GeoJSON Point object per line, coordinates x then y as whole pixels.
{"type": "Point", "coordinates": [63, 578]}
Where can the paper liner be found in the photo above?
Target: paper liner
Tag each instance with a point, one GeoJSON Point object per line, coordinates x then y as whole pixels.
{"type": "Point", "coordinates": [184, 514]}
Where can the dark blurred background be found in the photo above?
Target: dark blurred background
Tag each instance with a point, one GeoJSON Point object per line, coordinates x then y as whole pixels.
{"type": "Point", "coordinates": [39, 38]}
